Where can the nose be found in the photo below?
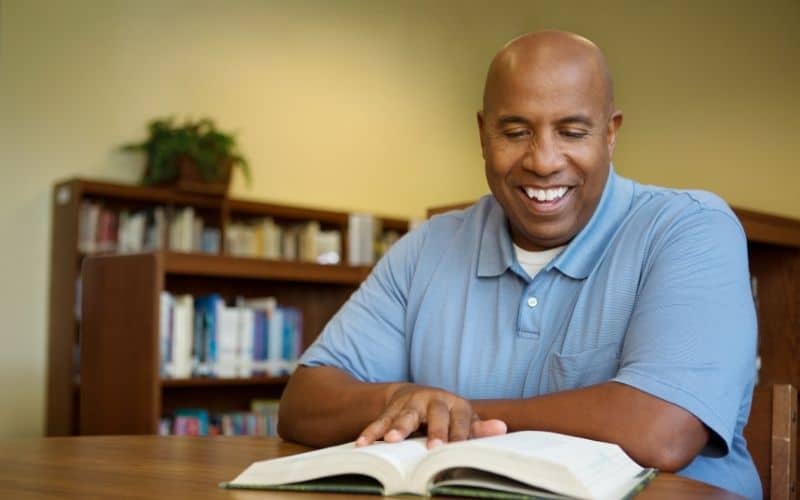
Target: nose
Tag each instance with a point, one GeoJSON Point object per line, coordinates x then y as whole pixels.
{"type": "Point", "coordinates": [543, 157]}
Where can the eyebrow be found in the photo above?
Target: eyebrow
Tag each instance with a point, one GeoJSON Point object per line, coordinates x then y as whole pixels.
{"type": "Point", "coordinates": [511, 119]}
{"type": "Point", "coordinates": [579, 118]}
{"type": "Point", "coordinates": [571, 119]}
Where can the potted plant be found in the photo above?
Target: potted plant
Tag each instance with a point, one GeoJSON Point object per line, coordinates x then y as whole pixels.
{"type": "Point", "coordinates": [194, 156]}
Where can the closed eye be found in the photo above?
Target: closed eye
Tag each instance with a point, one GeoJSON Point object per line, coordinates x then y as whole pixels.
{"type": "Point", "coordinates": [574, 134]}
{"type": "Point", "coordinates": [516, 134]}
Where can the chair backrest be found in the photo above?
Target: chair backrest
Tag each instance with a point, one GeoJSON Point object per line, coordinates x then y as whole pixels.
{"type": "Point", "coordinates": [771, 435]}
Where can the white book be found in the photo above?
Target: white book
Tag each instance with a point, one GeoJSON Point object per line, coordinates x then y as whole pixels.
{"type": "Point", "coordinates": [134, 232]}
{"type": "Point", "coordinates": [88, 219]}
{"type": "Point", "coordinates": [174, 232]}
{"type": "Point", "coordinates": [227, 342]}
{"type": "Point", "coordinates": [232, 239]}
{"type": "Point", "coordinates": [182, 335]}
{"type": "Point", "coordinates": [166, 302]}
{"type": "Point", "coordinates": [360, 239]}
{"type": "Point", "coordinates": [245, 325]}
{"type": "Point", "coordinates": [519, 464]}
{"type": "Point", "coordinates": [308, 235]}
{"type": "Point", "coordinates": [180, 230]}
{"type": "Point", "coordinates": [197, 234]}
{"type": "Point", "coordinates": [353, 237]}
{"type": "Point", "coordinates": [187, 229]}
{"type": "Point", "coordinates": [276, 365]}
{"type": "Point", "coordinates": [159, 228]}
{"type": "Point", "coordinates": [272, 235]}
{"type": "Point", "coordinates": [329, 247]}
{"type": "Point", "coordinates": [85, 241]}
{"type": "Point", "coordinates": [289, 243]}
{"type": "Point", "coordinates": [123, 246]}
{"type": "Point", "coordinates": [249, 244]}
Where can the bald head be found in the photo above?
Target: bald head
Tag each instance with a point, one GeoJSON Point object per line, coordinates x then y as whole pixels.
{"type": "Point", "coordinates": [552, 55]}
{"type": "Point", "coordinates": [548, 125]}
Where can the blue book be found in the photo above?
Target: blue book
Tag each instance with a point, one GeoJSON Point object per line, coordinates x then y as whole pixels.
{"type": "Point", "coordinates": [260, 343]}
{"type": "Point", "coordinates": [289, 321]}
{"type": "Point", "coordinates": [199, 415]}
{"type": "Point", "coordinates": [206, 311]}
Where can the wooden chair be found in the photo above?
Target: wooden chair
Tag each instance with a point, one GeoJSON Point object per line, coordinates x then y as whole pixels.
{"type": "Point", "coordinates": [771, 435]}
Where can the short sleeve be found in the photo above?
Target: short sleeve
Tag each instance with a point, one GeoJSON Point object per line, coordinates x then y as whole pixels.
{"type": "Point", "coordinates": [691, 339]}
{"type": "Point", "coordinates": [366, 337]}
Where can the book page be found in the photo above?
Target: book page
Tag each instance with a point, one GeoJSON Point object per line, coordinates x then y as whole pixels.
{"type": "Point", "coordinates": [403, 455]}
{"type": "Point", "coordinates": [390, 464]}
{"type": "Point", "coordinates": [564, 464]}
{"type": "Point", "coordinates": [454, 480]}
{"type": "Point", "coordinates": [595, 464]}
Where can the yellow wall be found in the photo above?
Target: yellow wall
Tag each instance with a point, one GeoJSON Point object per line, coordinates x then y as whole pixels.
{"type": "Point", "coordinates": [362, 105]}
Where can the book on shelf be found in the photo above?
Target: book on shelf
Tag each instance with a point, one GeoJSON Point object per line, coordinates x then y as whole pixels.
{"type": "Point", "coordinates": [182, 229]}
{"type": "Point", "coordinates": [176, 332]}
{"type": "Point", "coordinates": [279, 342]}
{"type": "Point", "coordinates": [104, 229]}
{"type": "Point", "coordinates": [248, 424]}
{"type": "Point", "coordinates": [367, 239]}
{"type": "Point", "coordinates": [260, 420]}
{"type": "Point", "coordinates": [526, 464]}
{"type": "Point", "coordinates": [191, 422]}
{"type": "Point", "coordinates": [385, 241]}
{"type": "Point", "coordinates": [264, 238]}
{"type": "Point", "coordinates": [204, 337]}
{"type": "Point", "coordinates": [361, 239]}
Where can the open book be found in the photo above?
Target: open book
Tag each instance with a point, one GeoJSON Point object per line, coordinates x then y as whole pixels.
{"type": "Point", "coordinates": [528, 464]}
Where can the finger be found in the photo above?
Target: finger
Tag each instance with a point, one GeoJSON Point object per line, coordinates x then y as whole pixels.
{"type": "Point", "coordinates": [438, 423]}
{"type": "Point", "coordinates": [486, 428]}
{"type": "Point", "coordinates": [406, 422]}
{"type": "Point", "coordinates": [375, 430]}
{"type": "Point", "coordinates": [460, 421]}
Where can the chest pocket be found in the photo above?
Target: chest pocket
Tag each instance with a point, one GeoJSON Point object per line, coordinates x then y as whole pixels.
{"type": "Point", "coordinates": [571, 371]}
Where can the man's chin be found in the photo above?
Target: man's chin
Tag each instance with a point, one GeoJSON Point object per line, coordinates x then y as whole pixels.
{"type": "Point", "coordinates": [540, 241]}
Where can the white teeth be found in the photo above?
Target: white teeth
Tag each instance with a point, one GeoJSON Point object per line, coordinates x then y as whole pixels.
{"type": "Point", "coordinates": [545, 194]}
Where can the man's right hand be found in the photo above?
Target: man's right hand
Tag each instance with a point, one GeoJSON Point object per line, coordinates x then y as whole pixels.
{"type": "Point", "coordinates": [447, 417]}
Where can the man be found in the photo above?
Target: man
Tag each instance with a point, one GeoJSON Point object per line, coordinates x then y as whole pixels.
{"type": "Point", "coordinates": [571, 300]}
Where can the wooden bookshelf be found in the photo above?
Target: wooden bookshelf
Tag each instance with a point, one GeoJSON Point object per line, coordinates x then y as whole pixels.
{"type": "Point", "coordinates": [241, 267]}
{"type": "Point", "coordinates": [214, 382]}
{"type": "Point", "coordinates": [103, 375]}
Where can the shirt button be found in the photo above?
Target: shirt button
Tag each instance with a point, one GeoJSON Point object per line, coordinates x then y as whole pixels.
{"type": "Point", "coordinates": [532, 301]}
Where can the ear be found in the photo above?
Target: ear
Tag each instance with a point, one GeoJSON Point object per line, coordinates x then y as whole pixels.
{"type": "Point", "coordinates": [481, 133]}
{"type": "Point", "coordinates": [614, 123]}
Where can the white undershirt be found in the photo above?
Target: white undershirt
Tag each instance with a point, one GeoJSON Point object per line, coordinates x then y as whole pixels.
{"type": "Point", "coordinates": [533, 262]}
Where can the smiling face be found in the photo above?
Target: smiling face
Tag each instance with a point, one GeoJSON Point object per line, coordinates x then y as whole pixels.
{"type": "Point", "coordinates": [547, 131]}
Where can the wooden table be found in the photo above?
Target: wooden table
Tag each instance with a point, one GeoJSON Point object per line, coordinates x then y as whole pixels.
{"type": "Point", "coordinates": [183, 467]}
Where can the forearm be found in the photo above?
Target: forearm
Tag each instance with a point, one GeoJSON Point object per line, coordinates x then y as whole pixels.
{"type": "Point", "coordinates": [653, 432]}
{"type": "Point", "coordinates": [322, 406]}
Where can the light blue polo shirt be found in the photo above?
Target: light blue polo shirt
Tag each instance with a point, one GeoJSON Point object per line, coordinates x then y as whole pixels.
{"type": "Point", "coordinates": [654, 293]}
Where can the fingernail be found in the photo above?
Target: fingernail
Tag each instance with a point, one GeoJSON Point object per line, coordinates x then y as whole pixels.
{"type": "Point", "coordinates": [392, 435]}
{"type": "Point", "coordinates": [361, 441]}
{"type": "Point", "coordinates": [434, 443]}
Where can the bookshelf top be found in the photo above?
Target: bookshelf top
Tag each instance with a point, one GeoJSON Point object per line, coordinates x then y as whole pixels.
{"type": "Point", "coordinates": [79, 187]}
{"type": "Point", "coordinates": [256, 268]}
{"type": "Point", "coordinates": [223, 382]}
{"type": "Point", "coordinates": [767, 228]}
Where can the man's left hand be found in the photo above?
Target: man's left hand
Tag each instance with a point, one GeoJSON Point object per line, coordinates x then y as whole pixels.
{"type": "Point", "coordinates": [447, 416]}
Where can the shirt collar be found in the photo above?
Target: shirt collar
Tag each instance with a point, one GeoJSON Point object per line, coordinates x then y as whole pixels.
{"type": "Point", "coordinates": [496, 253]}
{"type": "Point", "coordinates": [583, 253]}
